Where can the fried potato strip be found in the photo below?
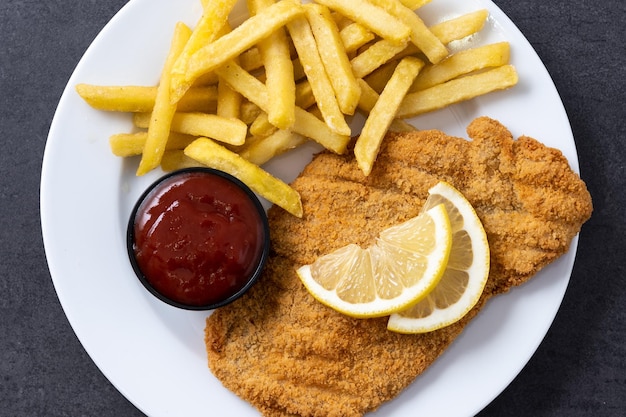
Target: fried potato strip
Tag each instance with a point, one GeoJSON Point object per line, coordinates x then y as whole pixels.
{"type": "Point", "coordinates": [163, 111]}
{"type": "Point", "coordinates": [215, 156]}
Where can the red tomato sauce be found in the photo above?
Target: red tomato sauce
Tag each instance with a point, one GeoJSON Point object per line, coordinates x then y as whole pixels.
{"type": "Point", "coordinates": [198, 238]}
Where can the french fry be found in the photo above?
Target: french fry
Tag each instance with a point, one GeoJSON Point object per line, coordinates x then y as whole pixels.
{"type": "Point", "coordinates": [372, 17]}
{"type": "Point", "coordinates": [306, 46]}
{"type": "Point", "coordinates": [244, 36]}
{"type": "Point", "coordinates": [176, 159]}
{"type": "Point", "coordinates": [304, 95]}
{"type": "Point", "coordinates": [340, 20]}
{"type": "Point", "coordinates": [399, 125]}
{"type": "Point", "coordinates": [462, 62]}
{"type": "Point", "coordinates": [264, 149]}
{"type": "Point", "coordinates": [414, 4]}
{"type": "Point", "coordinates": [334, 57]}
{"type": "Point", "coordinates": [452, 30]}
{"type": "Point", "coordinates": [245, 83]}
{"type": "Point", "coordinates": [213, 20]}
{"type": "Point", "coordinates": [261, 126]}
{"type": "Point", "coordinates": [355, 36]}
{"type": "Point", "coordinates": [276, 58]}
{"type": "Point", "coordinates": [133, 98]}
{"type": "Point", "coordinates": [161, 116]}
{"type": "Point", "coordinates": [382, 114]}
{"type": "Point", "coordinates": [368, 100]}
{"type": "Point", "coordinates": [373, 57]}
{"type": "Point", "coordinates": [260, 181]}
{"type": "Point", "coordinates": [457, 90]}
{"type": "Point", "coordinates": [131, 144]}
{"type": "Point", "coordinates": [311, 127]}
{"type": "Point", "coordinates": [228, 101]}
{"type": "Point", "coordinates": [251, 60]}
{"type": "Point", "coordinates": [298, 70]}
{"type": "Point", "coordinates": [460, 27]}
{"type": "Point", "coordinates": [306, 124]}
{"type": "Point", "coordinates": [421, 36]}
{"type": "Point", "coordinates": [249, 112]}
{"type": "Point", "coordinates": [379, 78]}
{"type": "Point", "coordinates": [231, 131]}
{"type": "Point", "coordinates": [447, 31]}
{"type": "Point", "coordinates": [262, 93]}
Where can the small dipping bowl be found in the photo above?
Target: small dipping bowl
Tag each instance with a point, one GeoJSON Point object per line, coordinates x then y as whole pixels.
{"type": "Point", "coordinates": [198, 238]}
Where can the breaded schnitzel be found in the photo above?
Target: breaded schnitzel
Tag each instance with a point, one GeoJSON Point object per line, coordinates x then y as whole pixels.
{"type": "Point", "coordinates": [289, 355]}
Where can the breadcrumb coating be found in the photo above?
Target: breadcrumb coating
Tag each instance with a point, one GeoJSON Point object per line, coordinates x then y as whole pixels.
{"type": "Point", "coordinates": [289, 355]}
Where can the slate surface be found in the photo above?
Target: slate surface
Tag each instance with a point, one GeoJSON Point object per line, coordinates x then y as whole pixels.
{"type": "Point", "coordinates": [578, 370]}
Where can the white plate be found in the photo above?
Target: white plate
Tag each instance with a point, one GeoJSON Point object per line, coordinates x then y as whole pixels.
{"type": "Point", "coordinates": [154, 354]}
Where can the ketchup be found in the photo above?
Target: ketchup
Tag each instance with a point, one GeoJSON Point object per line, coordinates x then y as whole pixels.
{"type": "Point", "coordinates": [198, 238]}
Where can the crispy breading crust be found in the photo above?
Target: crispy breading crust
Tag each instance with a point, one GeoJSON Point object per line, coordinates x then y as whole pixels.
{"type": "Point", "coordinates": [289, 355]}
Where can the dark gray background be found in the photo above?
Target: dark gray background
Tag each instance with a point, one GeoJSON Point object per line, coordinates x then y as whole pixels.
{"type": "Point", "coordinates": [579, 369]}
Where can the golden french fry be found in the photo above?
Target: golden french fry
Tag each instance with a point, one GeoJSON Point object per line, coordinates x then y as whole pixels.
{"type": "Point", "coordinates": [213, 20]}
{"type": "Point", "coordinates": [264, 149]}
{"type": "Point", "coordinates": [261, 126]}
{"type": "Point", "coordinates": [460, 27]}
{"type": "Point", "coordinates": [421, 36]}
{"type": "Point", "coordinates": [228, 101]}
{"type": "Point", "coordinates": [368, 98]}
{"type": "Point", "coordinates": [372, 17]}
{"type": "Point", "coordinates": [131, 144]}
{"type": "Point", "coordinates": [251, 60]}
{"type": "Point", "coordinates": [279, 79]}
{"type": "Point", "coordinates": [373, 57]}
{"type": "Point", "coordinates": [451, 30]}
{"type": "Point", "coordinates": [308, 52]}
{"type": "Point", "coordinates": [382, 114]}
{"type": "Point", "coordinates": [379, 78]}
{"type": "Point", "coordinates": [334, 57]}
{"type": "Point", "coordinates": [161, 116]}
{"type": "Point", "coordinates": [462, 62]}
{"type": "Point", "coordinates": [298, 70]}
{"type": "Point", "coordinates": [399, 125]}
{"type": "Point", "coordinates": [249, 86]}
{"type": "Point", "coordinates": [310, 126]}
{"type": "Point", "coordinates": [176, 159]}
{"type": "Point", "coordinates": [279, 72]}
{"type": "Point", "coordinates": [260, 181]}
{"type": "Point", "coordinates": [249, 112]}
{"type": "Point", "coordinates": [249, 33]}
{"type": "Point", "coordinates": [245, 83]}
{"type": "Point", "coordinates": [304, 95]}
{"type": "Point", "coordinates": [414, 4]}
{"type": "Point", "coordinates": [231, 131]}
{"type": "Point", "coordinates": [133, 98]}
{"type": "Point", "coordinates": [355, 36]}
{"type": "Point", "coordinates": [306, 124]}
{"type": "Point", "coordinates": [457, 90]}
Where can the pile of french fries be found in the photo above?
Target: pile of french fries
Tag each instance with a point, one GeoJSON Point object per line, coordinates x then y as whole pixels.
{"type": "Point", "coordinates": [232, 98]}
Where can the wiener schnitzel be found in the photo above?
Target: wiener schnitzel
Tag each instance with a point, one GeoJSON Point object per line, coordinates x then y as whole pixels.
{"type": "Point", "coordinates": [289, 355]}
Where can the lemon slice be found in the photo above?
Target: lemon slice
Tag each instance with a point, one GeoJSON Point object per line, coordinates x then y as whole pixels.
{"type": "Point", "coordinates": [465, 276]}
{"type": "Point", "coordinates": [404, 264]}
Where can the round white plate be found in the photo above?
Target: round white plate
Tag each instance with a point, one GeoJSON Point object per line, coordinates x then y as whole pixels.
{"type": "Point", "coordinates": [154, 354]}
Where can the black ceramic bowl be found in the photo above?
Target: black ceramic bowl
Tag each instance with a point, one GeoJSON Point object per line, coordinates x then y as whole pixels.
{"type": "Point", "coordinates": [198, 238]}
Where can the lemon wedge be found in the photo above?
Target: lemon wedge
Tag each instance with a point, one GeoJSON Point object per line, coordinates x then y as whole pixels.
{"type": "Point", "coordinates": [465, 275]}
{"type": "Point", "coordinates": [404, 264]}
